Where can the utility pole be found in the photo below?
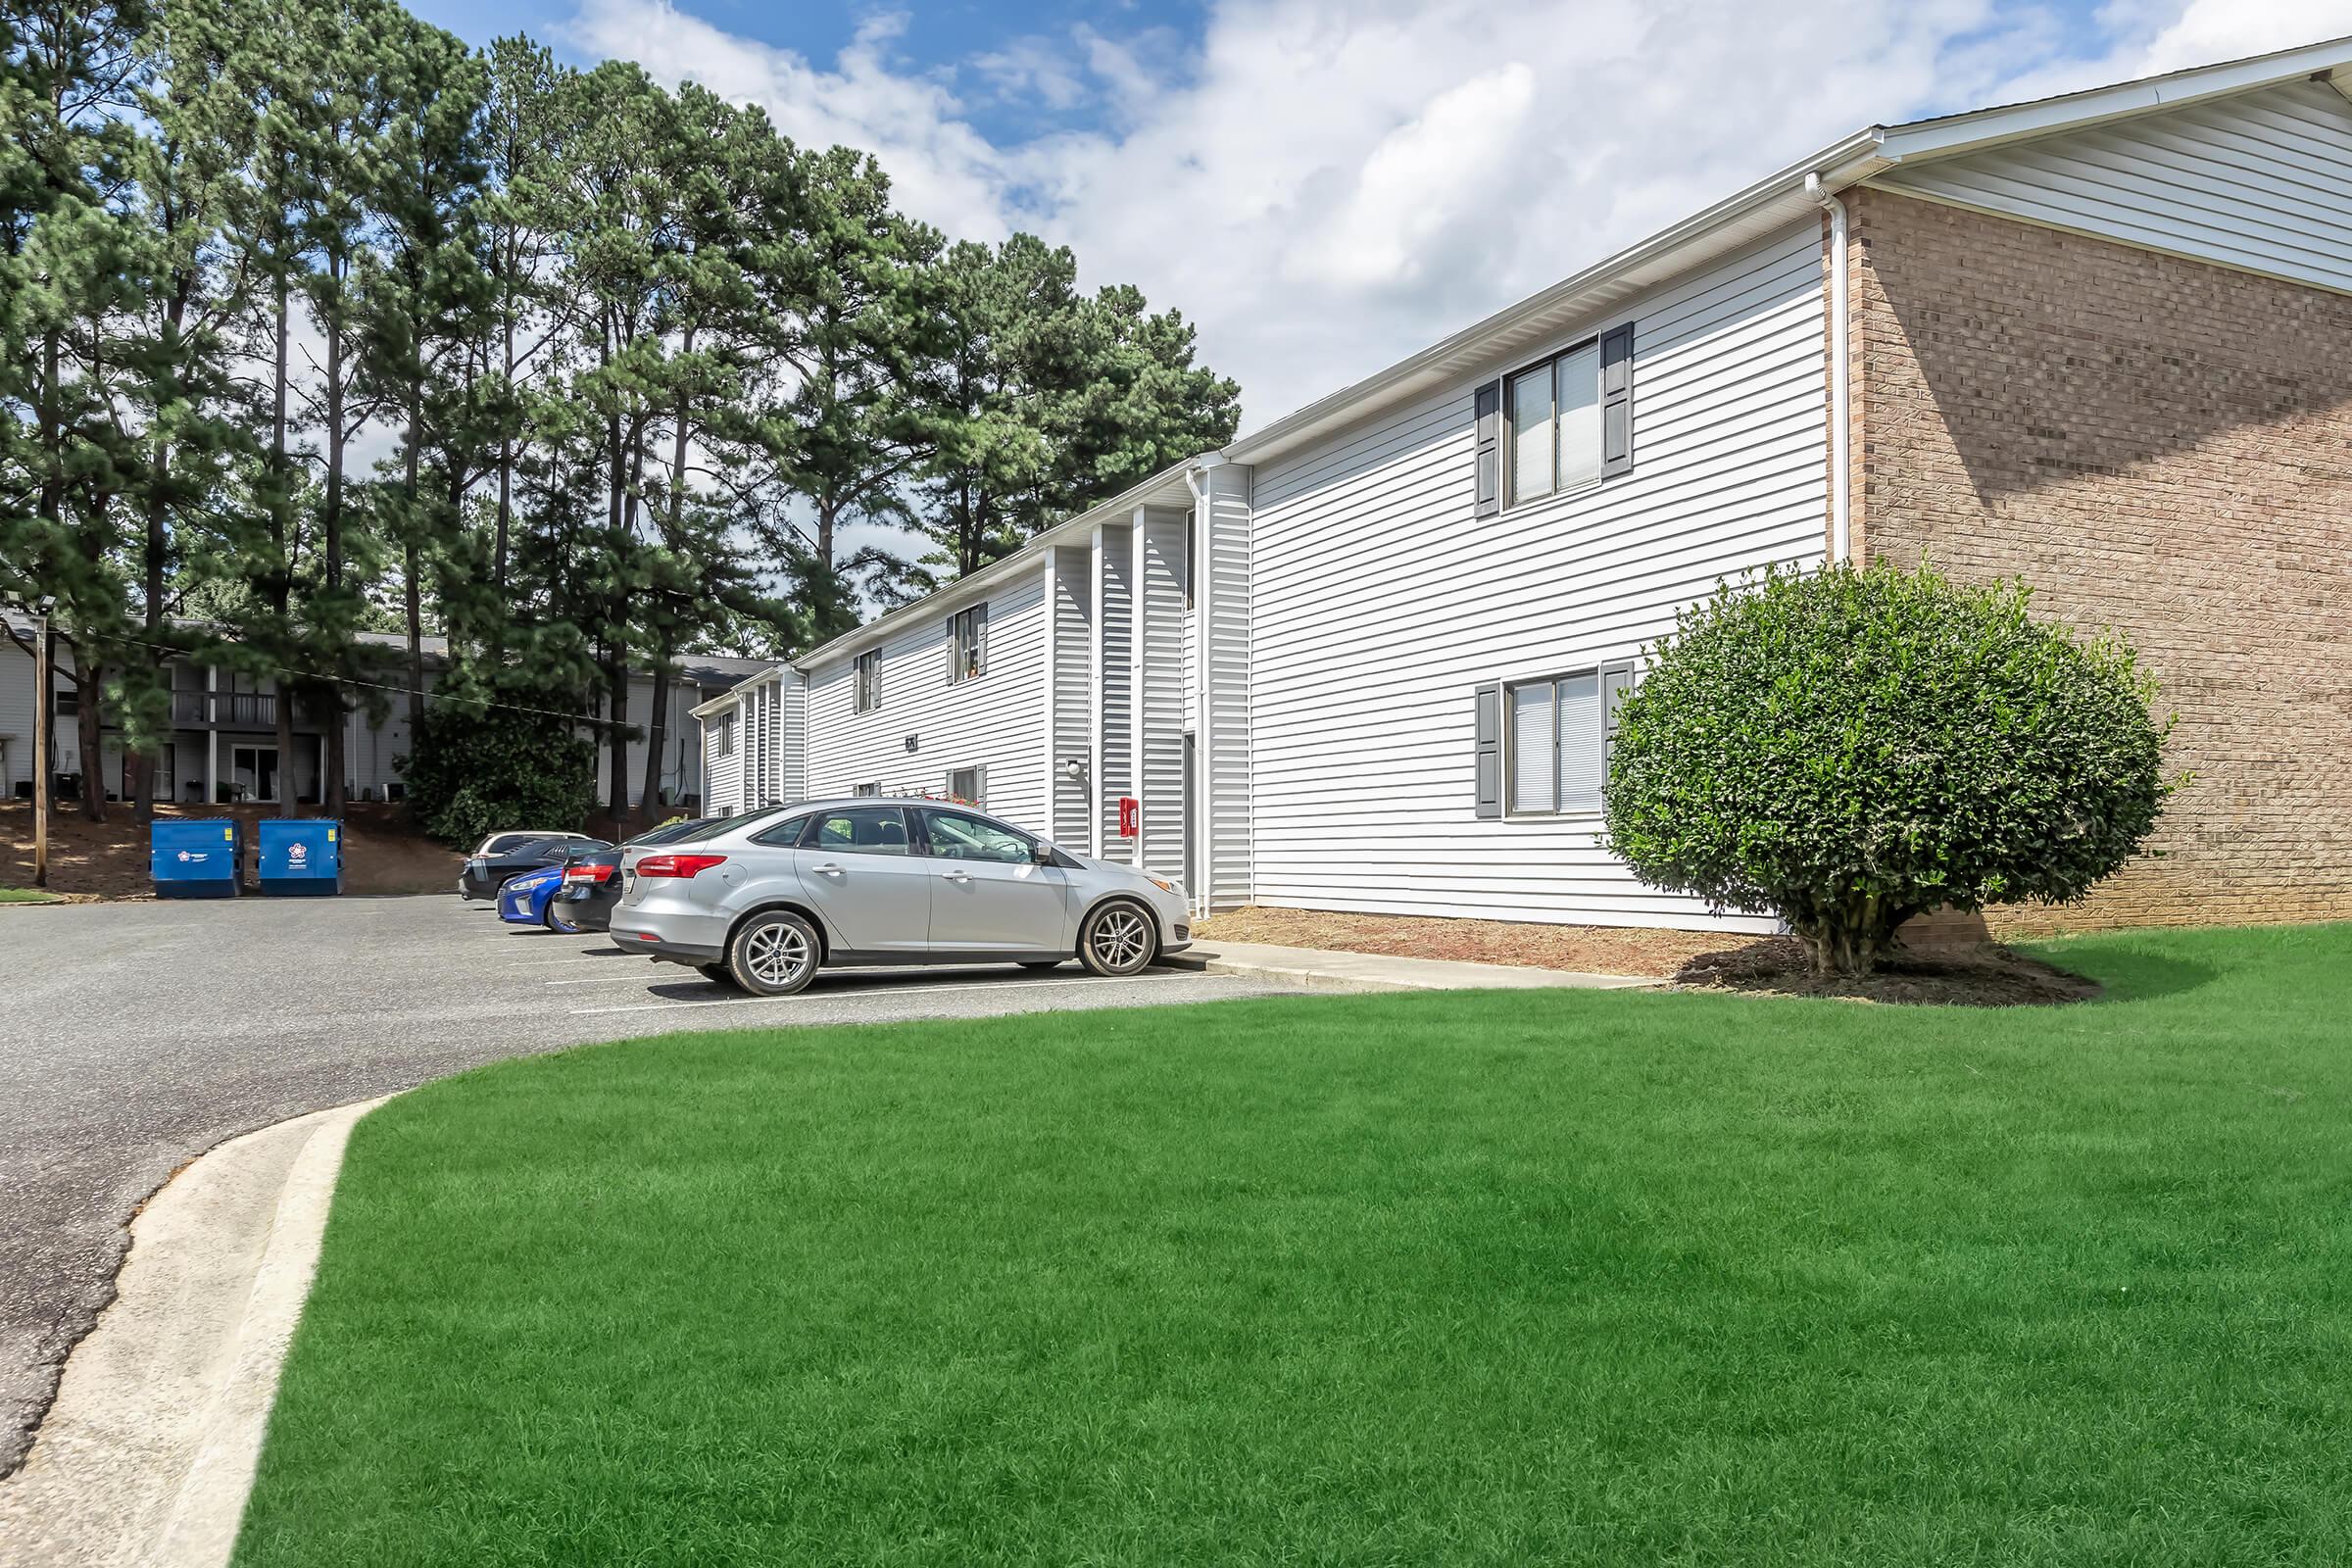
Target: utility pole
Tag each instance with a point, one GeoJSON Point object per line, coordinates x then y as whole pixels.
{"type": "Point", "coordinates": [46, 702]}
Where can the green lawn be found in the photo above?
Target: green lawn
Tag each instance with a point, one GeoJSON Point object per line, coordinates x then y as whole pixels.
{"type": "Point", "coordinates": [1495, 1278]}
{"type": "Point", "coordinates": [25, 896]}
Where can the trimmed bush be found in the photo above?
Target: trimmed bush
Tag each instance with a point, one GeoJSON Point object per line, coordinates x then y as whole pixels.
{"type": "Point", "coordinates": [1850, 748]}
{"type": "Point", "coordinates": [478, 770]}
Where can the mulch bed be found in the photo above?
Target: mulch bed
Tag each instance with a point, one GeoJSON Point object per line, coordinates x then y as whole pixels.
{"type": "Point", "coordinates": [1586, 948]}
{"type": "Point", "coordinates": [1988, 976]}
{"type": "Point", "coordinates": [1979, 975]}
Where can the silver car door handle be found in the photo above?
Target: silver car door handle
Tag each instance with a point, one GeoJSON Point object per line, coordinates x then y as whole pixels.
{"type": "Point", "coordinates": [957, 876]}
{"type": "Point", "coordinates": [826, 870]}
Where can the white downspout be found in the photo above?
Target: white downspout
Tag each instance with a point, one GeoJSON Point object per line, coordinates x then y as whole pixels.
{"type": "Point", "coordinates": [1841, 411]}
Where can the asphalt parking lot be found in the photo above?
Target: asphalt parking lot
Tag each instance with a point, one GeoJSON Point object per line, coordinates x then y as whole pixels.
{"type": "Point", "coordinates": [136, 1036]}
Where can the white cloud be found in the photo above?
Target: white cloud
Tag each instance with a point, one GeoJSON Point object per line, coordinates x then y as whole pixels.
{"type": "Point", "coordinates": [1326, 185]}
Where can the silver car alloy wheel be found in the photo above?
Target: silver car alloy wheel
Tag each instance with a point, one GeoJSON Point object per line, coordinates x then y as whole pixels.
{"type": "Point", "coordinates": [1120, 939]}
{"type": "Point", "coordinates": [775, 955]}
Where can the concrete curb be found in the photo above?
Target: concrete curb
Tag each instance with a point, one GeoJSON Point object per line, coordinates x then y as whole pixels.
{"type": "Point", "coordinates": [148, 1453]}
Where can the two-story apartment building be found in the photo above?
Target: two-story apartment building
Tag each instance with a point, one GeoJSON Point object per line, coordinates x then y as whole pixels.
{"type": "Point", "coordinates": [1365, 657]}
{"type": "Point", "coordinates": [225, 740]}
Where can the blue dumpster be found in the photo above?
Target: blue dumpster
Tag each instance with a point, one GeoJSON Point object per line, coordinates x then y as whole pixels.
{"type": "Point", "coordinates": [301, 856]}
{"type": "Point", "coordinates": [193, 858]}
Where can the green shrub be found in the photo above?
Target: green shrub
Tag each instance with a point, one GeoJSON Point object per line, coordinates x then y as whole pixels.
{"type": "Point", "coordinates": [1849, 748]}
{"type": "Point", "coordinates": [480, 769]}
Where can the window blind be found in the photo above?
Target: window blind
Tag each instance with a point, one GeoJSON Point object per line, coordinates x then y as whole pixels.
{"type": "Point", "coordinates": [1578, 699]}
{"type": "Point", "coordinates": [1531, 434]}
{"type": "Point", "coordinates": [1579, 417]}
{"type": "Point", "coordinates": [1534, 787]}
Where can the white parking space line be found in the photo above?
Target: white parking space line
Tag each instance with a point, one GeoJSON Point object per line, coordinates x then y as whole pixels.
{"type": "Point", "coordinates": [546, 963]}
{"type": "Point", "coordinates": [894, 990]}
{"type": "Point", "coordinates": [638, 979]}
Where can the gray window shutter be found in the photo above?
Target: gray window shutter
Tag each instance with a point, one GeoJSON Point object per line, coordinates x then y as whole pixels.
{"type": "Point", "coordinates": [1486, 736]}
{"type": "Point", "coordinates": [1489, 405]}
{"type": "Point", "coordinates": [1617, 402]}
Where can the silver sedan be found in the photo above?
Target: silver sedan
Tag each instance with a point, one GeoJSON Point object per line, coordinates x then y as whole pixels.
{"type": "Point", "coordinates": [764, 899]}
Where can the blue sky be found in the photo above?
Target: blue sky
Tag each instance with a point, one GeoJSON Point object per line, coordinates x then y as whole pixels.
{"type": "Point", "coordinates": [1324, 186]}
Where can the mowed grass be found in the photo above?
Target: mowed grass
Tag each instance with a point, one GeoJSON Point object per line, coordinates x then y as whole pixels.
{"type": "Point", "coordinates": [1492, 1278]}
{"type": "Point", "coordinates": [25, 896]}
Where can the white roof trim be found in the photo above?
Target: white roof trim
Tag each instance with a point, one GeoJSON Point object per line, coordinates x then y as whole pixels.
{"type": "Point", "coordinates": [1167, 487]}
{"type": "Point", "coordinates": [1950, 135]}
{"type": "Point", "coordinates": [1769, 204]}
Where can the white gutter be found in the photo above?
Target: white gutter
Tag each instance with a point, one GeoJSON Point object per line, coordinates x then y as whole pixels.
{"type": "Point", "coordinates": [1841, 407]}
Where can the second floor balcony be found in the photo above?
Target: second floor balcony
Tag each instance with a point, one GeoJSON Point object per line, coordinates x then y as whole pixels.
{"type": "Point", "coordinates": [257, 710]}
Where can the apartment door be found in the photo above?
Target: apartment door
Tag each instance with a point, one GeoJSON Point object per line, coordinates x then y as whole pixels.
{"type": "Point", "coordinates": [253, 771]}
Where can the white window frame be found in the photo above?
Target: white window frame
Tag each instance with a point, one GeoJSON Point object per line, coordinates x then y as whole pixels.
{"type": "Point", "coordinates": [1508, 454]}
{"type": "Point", "coordinates": [865, 792]}
{"type": "Point", "coordinates": [726, 733]}
{"type": "Point", "coordinates": [978, 798]}
{"type": "Point", "coordinates": [967, 628]}
{"type": "Point", "coordinates": [1605, 735]}
{"type": "Point", "coordinates": [866, 679]}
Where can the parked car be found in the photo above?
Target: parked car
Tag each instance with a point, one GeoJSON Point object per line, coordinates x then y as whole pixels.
{"type": "Point", "coordinates": [592, 881]}
{"type": "Point", "coordinates": [524, 898]}
{"type": "Point", "coordinates": [764, 899]}
{"type": "Point", "coordinates": [484, 874]}
{"type": "Point", "coordinates": [516, 838]}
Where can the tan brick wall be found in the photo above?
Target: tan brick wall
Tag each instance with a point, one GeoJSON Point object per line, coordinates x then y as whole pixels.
{"type": "Point", "coordinates": [2158, 446]}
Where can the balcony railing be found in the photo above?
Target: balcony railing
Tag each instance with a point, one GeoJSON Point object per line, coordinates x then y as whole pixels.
{"type": "Point", "coordinates": [229, 710]}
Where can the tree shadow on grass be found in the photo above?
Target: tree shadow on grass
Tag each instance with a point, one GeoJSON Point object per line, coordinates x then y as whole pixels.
{"type": "Point", "coordinates": [2129, 972]}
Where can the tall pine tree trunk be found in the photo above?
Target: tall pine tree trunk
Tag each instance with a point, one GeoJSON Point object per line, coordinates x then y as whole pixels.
{"type": "Point", "coordinates": [414, 598]}
{"type": "Point", "coordinates": [330, 788]}
{"type": "Point", "coordinates": [617, 720]}
{"type": "Point", "coordinates": [281, 582]}
{"type": "Point", "coordinates": [89, 679]}
{"type": "Point", "coordinates": [155, 545]}
{"type": "Point", "coordinates": [655, 737]}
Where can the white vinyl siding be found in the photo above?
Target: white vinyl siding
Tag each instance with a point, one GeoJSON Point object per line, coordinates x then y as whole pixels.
{"type": "Point", "coordinates": [1380, 601]}
{"type": "Point", "coordinates": [994, 721]}
{"type": "Point", "coordinates": [723, 770]}
{"type": "Point", "coordinates": [1073, 696]}
{"type": "Point", "coordinates": [1163, 693]}
{"type": "Point", "coordinates": [2262, 181]}
{"type": "Point", "coordinates": [17, 704]}
{"type": "Point", "coordinates": [1116, 750]}
{"type": "Point", "coordinates": [1222, 597]}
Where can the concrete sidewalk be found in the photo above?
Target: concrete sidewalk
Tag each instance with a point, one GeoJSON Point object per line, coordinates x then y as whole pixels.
{"type": "Point", "coordinates": [149, 1452]}
{"type": "Point", "coordinates": [1322, 969]}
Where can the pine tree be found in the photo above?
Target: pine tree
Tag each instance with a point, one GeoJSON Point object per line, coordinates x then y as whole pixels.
{"type": "Point", "coordinates": [425, 299]}
{"type": "Point", "coordinates": [73, 70]}
{"type": "Point", "coordinates": [184, 402]}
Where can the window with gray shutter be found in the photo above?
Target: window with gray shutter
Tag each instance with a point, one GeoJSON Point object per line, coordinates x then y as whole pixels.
{"type": "Point", "coordinates": [1489, 405]}
{"type": "Point", "coordinates": [1487, 740]}
{"type": "Point", "coordinates": [1617, 402]}
{"type": "Point", "coordinates": [1559, 731]}
{"type": "Point", "coordinates": [1566, 421]}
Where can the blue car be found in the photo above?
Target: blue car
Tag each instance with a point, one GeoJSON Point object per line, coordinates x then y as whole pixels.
{"type": "Point", "coordinates": [530, 900]}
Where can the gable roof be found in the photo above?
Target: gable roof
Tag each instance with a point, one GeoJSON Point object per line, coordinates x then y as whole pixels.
{"type": "Point", "coordinates": [1769, 205]}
